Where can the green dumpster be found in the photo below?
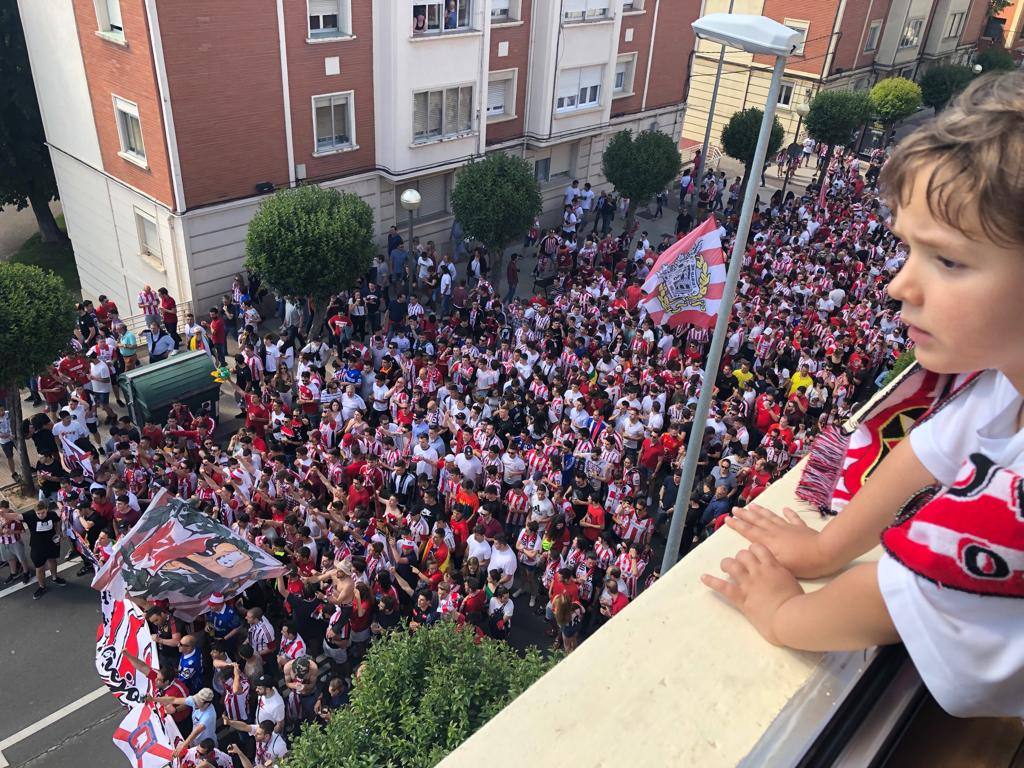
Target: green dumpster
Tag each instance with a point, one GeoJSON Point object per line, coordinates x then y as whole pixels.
{"type": "Point", "coordinates": [151, 389]}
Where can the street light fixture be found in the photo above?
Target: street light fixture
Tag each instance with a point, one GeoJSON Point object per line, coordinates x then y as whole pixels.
{"type": "Point", "coordinates": [410, 201]}
{"type": "Point", "coordinates": [794, 151]}
{"type": "Point", "coordinates": [753, 34]}
{"type": "Point", "coordinates": [977, 68]}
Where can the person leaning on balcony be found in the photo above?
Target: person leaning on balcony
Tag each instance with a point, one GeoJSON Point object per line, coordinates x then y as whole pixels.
{"type": "Point", "coordinates": [950, 581]}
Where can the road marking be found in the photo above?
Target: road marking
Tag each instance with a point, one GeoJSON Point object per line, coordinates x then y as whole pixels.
{"type": "Point", "coordinates": [32, 582]}
{"type": "Point", "coordinates": [49, 720]}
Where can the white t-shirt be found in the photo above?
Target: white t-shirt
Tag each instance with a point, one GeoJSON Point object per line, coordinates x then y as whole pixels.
{"type": "Point", "coordinates": [969, 649]}
{"type": "Point", "coordinates": [481, 550]}
{"type": "Point", "coordinates": [504, 561]}
{"type": "Point", "coordinates": [100, 370]}
{"type": "Point", "coordinates": [426, 461]}
{"type": "Point", "coordinates": [270, 708]}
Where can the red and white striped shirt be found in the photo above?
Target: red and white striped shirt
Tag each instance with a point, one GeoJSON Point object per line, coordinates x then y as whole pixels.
{"type": "Point", "coordinates": [236, 705]}
{"type": "Point", "coordinates": [261, 636]}
{"type": "Point", "coordinates": [293, 648]}
{"type": "Point", "coordinates": [517, 507]}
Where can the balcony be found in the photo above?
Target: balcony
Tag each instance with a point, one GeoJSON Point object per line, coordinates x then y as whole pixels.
{"type": "Point", "coordinates": [680, 678]}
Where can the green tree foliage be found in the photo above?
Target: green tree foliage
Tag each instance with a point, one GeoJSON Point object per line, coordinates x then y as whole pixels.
{"type": "Point", "coordinates": [495, 200]}
{"type": "Point", "coordinates": [995, 7]}
{"type": "Point", "coordinates": [942, 83]}
{"type": "Point", "coordinates": [26, 175]}
{"type": "Point", "coordinates": [834, 116]}
{"type": "Point", "coordinates": [640, 167]}
{"type": "Point", "coordinates": [37, 317]}
{"type": "Point", "coordinates": [739, 138]}
{"type": "Point", "coordinates": [902, 362]}
{"type": "Point", "coordinates": [995, 60]}
{"type": "Point", "coordinates": [895, 99]}
{"type": "Point", "coordinates": [310, 240]}
{"type": "Point", "coordinates": [417, 698]}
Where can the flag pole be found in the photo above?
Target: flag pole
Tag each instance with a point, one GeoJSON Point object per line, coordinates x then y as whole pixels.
{"type": "Point", "coordinates": [700, 417]}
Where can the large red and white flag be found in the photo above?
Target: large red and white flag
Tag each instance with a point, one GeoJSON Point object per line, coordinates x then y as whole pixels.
{"type": "Point", "coordinates": [144, 736]}
{"type": "Point", "coordinates": [686, 283]}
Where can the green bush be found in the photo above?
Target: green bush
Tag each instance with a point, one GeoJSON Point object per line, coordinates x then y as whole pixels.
{"type": "Point", "coordinates": [417, 698]}
{"type": "Point", "coordinates": [995, 59]}
{"type": "Point", "coordinates": [640, 166]}
{"type": "Point", "coordinates": [894, 99]}
{"type": "Point", "coordinates": [902, 362]}
{"type": "Point", "coordinates": [310, 240]}
{"type": "Point", "coordinates": [942, 83]}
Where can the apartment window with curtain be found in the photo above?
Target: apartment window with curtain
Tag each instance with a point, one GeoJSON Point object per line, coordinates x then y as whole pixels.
{"type": "Point", "coordinates": [442, 113]}
{"type": "Point", "coordinates": [955, 24]}
{"type": "Point", "coordinates": [578, 88]}
{"type": "Point", "coordinates": [911, 35]}
{"type": "Point", "coordinates": [441, 16]}
{"type": "Point", "coordinates": [129, 130]}
{"type": "Point", "coordinates": [333, 121]}
{"type": "Point", "coordinates": [329, 18]}
{"type": "Point", "coordinates": [871, 39]}
{"type": "Point", "coordinates": [585, 10]}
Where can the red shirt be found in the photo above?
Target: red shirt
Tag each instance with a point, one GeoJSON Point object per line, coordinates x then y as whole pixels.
{"type": "Point", "coordinates": [651, 451]}
{"type": "Point", "coordinates": [75, 368]}
{"type": "Point", "coordinates": [169, 311]}
{"type": "Point", "coordinates": [620, 601]}
{"type": "Point", "coordinates": [569, 587]}
{"type": "Point", "coordinates": [218, 330]}
{"type": "Point", "coordinates": [594, 516]}
{"type": "Point", "coordinates": [52, 389]}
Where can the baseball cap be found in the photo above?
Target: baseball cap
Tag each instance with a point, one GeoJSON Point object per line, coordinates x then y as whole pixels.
{"type": "Point", "coordinates": [265, 681]}
{"type": "Point", "coordinates": [205, 695]}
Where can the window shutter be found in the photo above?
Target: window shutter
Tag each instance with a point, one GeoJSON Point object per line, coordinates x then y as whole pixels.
{"type": "Point", "coordinates": [323, 123]}
{"type": "Point", "coordinates": [114, 14]}
{"type": "Point", "coordinates": [574, 6]}
{"type": "Point", "coordinates": [323, 7]}
{"type": "Point", "coordinates": [419, 115]}
{"type": "Point", "coordinates": [597, 5]}
{"type": "Point", "coordinates": [340, 110]}
{"type": "Point", "coordinates": [496, 90]}
{"type": "Point", "coordinates": [499, 5]}
{"type": "Point", "coordinates": [568, 82]}
{"type": "Point", "coordinates": [434, 126]}
{"type": "Point", "coordinates": [451, 110]}
{"type": "Point", "coordinates": [466, 108]}
{"type": "Point", "coordinates": [432, 196]}
{"type": "Point", "coordinates": [590, 76]}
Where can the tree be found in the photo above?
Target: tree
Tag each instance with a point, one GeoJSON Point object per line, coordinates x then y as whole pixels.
{"type": "Point", "coordinates": [417, 698]}
{"type": "Point", "coordinates": [640, 167]}
{"type": "Point", "coordinates": [834, 116]}
{"type": "Point", "coordinates": [37, 317]}
{"type": "Point", "coordinates": [940, 84]}
{"type": "Point", "coordinates": [739, 139]}
{"type": "Point", "coordinates": [995, 7]}
{"type": "Point", "coordinates": [894, 99]}
{"type": "Point", "coordinates": [26, 174]}
{"type": "Point", "coordinates": [310, 241]}
{"type": "Point", "coordinates": [495, 200]}
{"type": "Point", "coordinates": [995, 60]}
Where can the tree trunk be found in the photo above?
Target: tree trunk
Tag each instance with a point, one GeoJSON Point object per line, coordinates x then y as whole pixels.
{"type": "Point", "coordinates": [497, 267]}
{"type": "Point", "coordinates": [823, 171]}
{"type": "Point", "coordinates": [48, 229]}
{"type": "Point", "coordinates": [630, 215]}
{"type": "Point", "coordinates": [20, 441]}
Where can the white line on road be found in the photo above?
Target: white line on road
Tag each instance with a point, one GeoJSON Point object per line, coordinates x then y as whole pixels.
{"type": "Point", "coordinates": [32, 582]}
{"type": "Point", "coordinates": [50, 719]}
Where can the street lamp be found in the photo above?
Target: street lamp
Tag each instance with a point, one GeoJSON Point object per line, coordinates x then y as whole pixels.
{"type": "Point", "coordinates": [753, 34]}
{"type": "Point", "coordinates": [801, 108]}
{"type": "Point", "coordinates": [977, 68]}
{"type": "Point", "coordinates": [410, 201]}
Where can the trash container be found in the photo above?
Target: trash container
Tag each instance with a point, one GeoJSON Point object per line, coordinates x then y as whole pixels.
{"type": "Point", "coordinates": [151, 389]}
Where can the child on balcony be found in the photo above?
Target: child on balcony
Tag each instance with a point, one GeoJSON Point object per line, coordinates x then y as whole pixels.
{"type": "Point", "coordinates": [950, 581]}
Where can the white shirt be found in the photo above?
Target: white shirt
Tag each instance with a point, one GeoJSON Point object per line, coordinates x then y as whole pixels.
{"type": "Point", "coordinates": [481, 550]}
{"type": "Point", "coordinates": [100, 370]}
{"type": "Point", "coordinates": [426, 460]}
{"type": "Point", "coordinates": [570, 194]}
{"type": "Point", "coordinates": [504, 561]}
{"type": "Point", "coordinates": [969, 649]}
{"type": "Point", "coordinates": [270, 708]}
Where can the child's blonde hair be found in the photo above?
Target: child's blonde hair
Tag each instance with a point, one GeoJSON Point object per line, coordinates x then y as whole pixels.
{"type": "Point", "coordinates": [977, 144]}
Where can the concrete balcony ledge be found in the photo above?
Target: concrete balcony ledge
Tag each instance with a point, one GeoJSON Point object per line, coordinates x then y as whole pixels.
{"type": "Point", "coordinates": [677, 678]}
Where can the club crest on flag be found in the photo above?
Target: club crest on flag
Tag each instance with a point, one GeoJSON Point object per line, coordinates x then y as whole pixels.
{"type": "Point", "coordinates": [684, 282]}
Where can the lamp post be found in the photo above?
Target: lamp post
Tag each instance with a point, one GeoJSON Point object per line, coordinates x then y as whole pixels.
{"type": "Point", "coordinates": [754, 34]}
{"type": "Point", "coordinates": [410, 201]}
{"type": "Point", "coordinates": [801, 108]}
{"type": "Point", "coordinates": [699, 170]}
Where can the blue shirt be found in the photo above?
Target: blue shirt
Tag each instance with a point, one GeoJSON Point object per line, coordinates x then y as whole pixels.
{"type": "Point", "coordinates": [398, 257]}
{"type": "Point", "coordinates": [190, 670]}
{"type": "Point", "coordinates": [224, 621]}
{"type": "Point", "coordinates": [205, 717]}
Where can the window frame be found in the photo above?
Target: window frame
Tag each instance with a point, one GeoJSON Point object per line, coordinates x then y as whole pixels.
{"type": "Point", "coordinates": [634, 6]}
{"type": "Point", "coordinates": [602, 11]}
{"type": "Point", "coordinates": [799, 25]}
{"type": "Point", "coordinates": [105, 26]}
{"type": "Point", "coordinates": [547, 169]}
{"type": "Point", "coordinates": [129, 109]}
{"type": "Point", "coordinates": [350, 108]}
{"type": "Point", "coordinates": [916, 42]}
{"type": "Point", "coordinates": [578, 105]}
{"type": "Point", "coordinates": [511, 16]}
{"type": "Point", "coordinates": [145, 249]}
{"type": "Point", "coordinates": [874, 26]}
{"type": "Point", "coordinates": [442, 8]}
{"type": "Point", "coordinates": [442, 135]}
{"type": "Point", "coordinates": [419, 216]}
{"type": "Point", "coordinates": [629, 78]}
{"type": "Point", "coordinates": [511, 77]}
{"type": "Point", "coordinates": [344, 23]}
{"type": "Point", "coordinates": [958, 16]}
{"type": "Point", "coordinates": [783, 86]}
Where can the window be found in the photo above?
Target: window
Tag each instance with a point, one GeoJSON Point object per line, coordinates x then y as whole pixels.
{"type": "Point", "coordinates": [907, 72]}
{"type": "Point", "coordinates": [802, 27]}
{"type": "Point", "coordinates": [911, 34]}
{"type": "Point", "coordinates": [501, 10]}
{"type": "Point", "coordinates": [955, 24]}
{"type": "Point", "coordinates": [440, 16]}
{"type": "Point", "coordinates": [579, 88]}
{"type": "Point", "coordinates": [333, 121]}
{"type": "Point", "coordinates": [585, 10]}
{"type": "Point", "coordinates": [871, 41]}
{"type": "Point", "coordinates": [786, 94]}
{"type": "Point", "coordinates": [129, 130]}
{"type": "Point", "coordinates": [542, 169]}
{"type": "Point", "coordinates": [329, 18]}
{"type": "Point", "coordinates": [149, 239]}
{"type": "Point", "coordinates": [435, 193]}
{"type": "Point", "coordinates": [624, 69]}
{"type": "Point", "coordinates": [501, 94]}
{"type": "Point", "coordinates": [437, 114]}
{"type": "Point", "coordinates": [108, 19]}
{"type": "Point", "coordinates": [563, 160]}
{"type": "Point", "coordinates": [632, 5]}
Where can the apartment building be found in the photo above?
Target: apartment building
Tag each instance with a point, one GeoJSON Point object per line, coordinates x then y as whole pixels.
{"type": "Point", "coordinates": [1008, 27]}
{"type": "Point", "coordinates": [168, 121]}
{"type": "Point", "coordinates": [846, 44]}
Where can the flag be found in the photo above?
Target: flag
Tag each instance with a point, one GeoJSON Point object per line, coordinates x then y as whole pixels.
{"type": "Point", "coordinates": [143, 737]}
{"type": "Point", "coordinates": [824, 189]}
{"type": "Point", "coordinates": [177, 553]}
{"type": "Point", "coordinates": [687, 281]}
{"type": "Point", "coordinates": [124, 629]}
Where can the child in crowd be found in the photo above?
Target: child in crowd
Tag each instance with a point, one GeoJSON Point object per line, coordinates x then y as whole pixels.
{"type": "Point", "coordinates": [950, 581]}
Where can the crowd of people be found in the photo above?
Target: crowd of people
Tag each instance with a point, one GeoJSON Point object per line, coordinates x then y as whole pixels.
{"type": "Point", "coordinates": [427, 449]}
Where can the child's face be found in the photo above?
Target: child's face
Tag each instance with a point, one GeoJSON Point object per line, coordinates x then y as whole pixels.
{"type": "Point", "coordinates": [960, 293]}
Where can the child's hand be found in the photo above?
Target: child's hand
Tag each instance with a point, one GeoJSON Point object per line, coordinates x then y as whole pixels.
{"type": "Point", "coordinates": [795, 544]}
{"type": "Point", "coordinates": [758, 587]}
